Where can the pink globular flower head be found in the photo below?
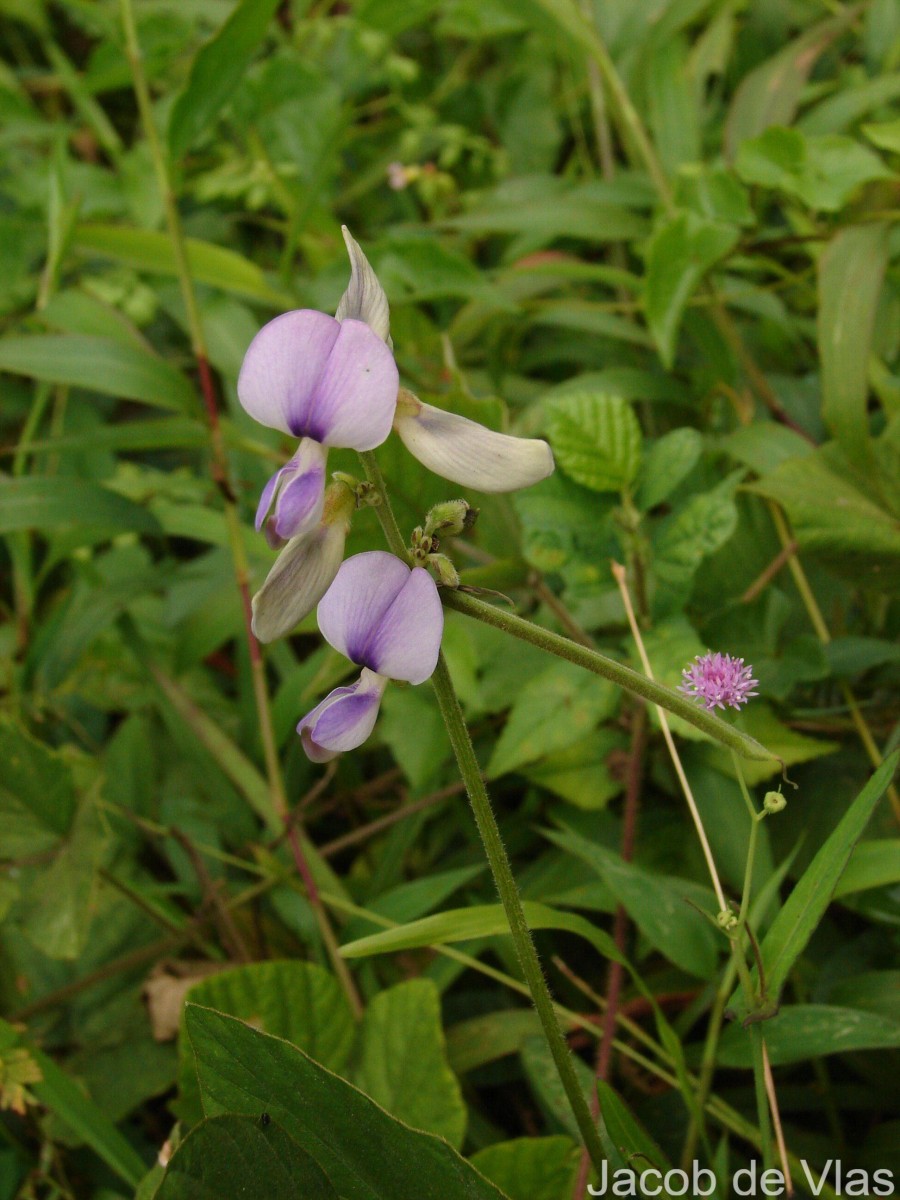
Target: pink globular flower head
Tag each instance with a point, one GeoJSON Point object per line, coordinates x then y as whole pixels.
{"type": "Point", "coordinates": [387, 618]}
{"type": "Point", "coordinates": [718, 681]}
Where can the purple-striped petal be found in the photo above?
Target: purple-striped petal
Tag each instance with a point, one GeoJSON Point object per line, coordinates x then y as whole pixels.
{"type": "Point", "coordinates": [384, 615]}
{"type": "Point", "coordinates": [407, 640]}
{"type": "Point", "coordinates": [297, 491]}
{"type": "Point", "coordinates": [356, 395]}
{"type": "Point", "coordinates": [282, 368]}
{"type": "Point", "coordinates": [344, 719]}
{"type": "Point", "coordinates": [310, 375]}
{"type": "Point", "coordinates": [363, 590]}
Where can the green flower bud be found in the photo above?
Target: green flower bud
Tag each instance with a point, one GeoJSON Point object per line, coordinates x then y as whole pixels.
{"type": "Point", "coordinates": [451, 518]}
{"type": "Point", "coordinates": [774, 802]}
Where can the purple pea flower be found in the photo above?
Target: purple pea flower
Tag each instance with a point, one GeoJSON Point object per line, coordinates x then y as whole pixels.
{"type": "Point", "coordinates": [327, 382]}
{"type": "Point", "coordinates": [718, 681]}
{"type": "Point", "coordinates": [388, 619]}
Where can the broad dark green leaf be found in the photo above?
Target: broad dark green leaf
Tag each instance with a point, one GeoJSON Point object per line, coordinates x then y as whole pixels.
{"type": "Point", "coordinates": [242, 1158]}
{"type": "Point", "coordinates": [823, 172]}
{"type": "Point", "coordinates": [532, 1168]}
{"type": "Point", "coordinates": [596, 439]}
{"type": "Point", "coordinates": [403, 1060]}
{"type": "Point", "coordinates": [657, 904]}
{"type": "Point", "coordinates": [298, 1001]}
{"type": "Point", "coordinates": [558, 707]}
{"type": "Point", "coordinates": [98, 364]}
{"type": "Point", "coordinates": [216, 71]}
{"type": "Point", "coordinates": [804, 908]}
{"type": "Point", "coordinates": [366, 1154]}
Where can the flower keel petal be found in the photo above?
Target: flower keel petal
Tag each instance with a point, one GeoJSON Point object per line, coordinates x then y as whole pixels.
{"type": "Point", "coordinates": [469, 454]}
{"type": "Point", "coordinates": [344, 719]}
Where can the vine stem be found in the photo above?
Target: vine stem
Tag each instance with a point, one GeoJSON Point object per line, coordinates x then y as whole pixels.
{"type": "Point", "coordinates": [501, 868]}
{"type": "Point", "coordinates": [618, 673]}
{"type": "Point", "coordinates": [220, 475]}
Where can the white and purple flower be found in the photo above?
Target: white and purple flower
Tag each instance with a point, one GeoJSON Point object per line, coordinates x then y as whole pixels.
{"type": "Point", "coordinates": [718, 681]}
{"type": "Point", "coordinates": [326, 382]}
{"type": "Point", "coordinates": [387, 618]}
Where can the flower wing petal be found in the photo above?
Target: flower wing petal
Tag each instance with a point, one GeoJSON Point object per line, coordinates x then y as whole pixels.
{"type": "Point", "coordinates": [343, 720]}
{"type": "Point", "coordinates": [300, 576]}
{"type": "Point", "coordinates": [364, 588]}
{"type": "Point", "coordinates": [282, 369]}
{"type": "Point", "coordinates": [356, 396]}
{"type": "Point", "coordinates": [470, 454]}
{"type": "Point", "coordinates": [406, 642]}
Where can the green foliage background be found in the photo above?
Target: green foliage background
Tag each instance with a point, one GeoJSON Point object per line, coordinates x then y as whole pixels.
{"type": "Point", "coordinates": [660, 233]}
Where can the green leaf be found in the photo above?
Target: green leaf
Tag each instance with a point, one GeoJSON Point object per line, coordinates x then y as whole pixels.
{"type": "Point", "coordinates": [297, 1001]}
{"type": "Point", "coordinates": [657, 904]}
{"type": "Point", "coordinates": [58, 912]}
{"type": "Point", "coordinates": [850, 277]}
{"type": "Point", "coordinates": [484, 1039]}
{"type": "Point", "coordinates": [823, 172]}
{"type": "Point", "coordinates": [147, 250]}
{"type": "Point", "coordinates": [596, 439]}
{"type": "Point", "coordinates": [403, 1063]}
{"type": "Point", "coordinates": [669, 460]}
{"type": "Point", "coordinates": [556, 708]}
{"type": "Point", "coordinates": [805, 1031]}
{"type": "Point", "coordinates": [478, 921]}
{"type": "Point", "coordinates": [702, 526]}
{"type": "Point", "coordinates": [546, 1085]}
{"type": "Point", "coordinates": [679, 254]}
{"type": "Point", "coordinates": [242, 1158]}
{"type": "Point", "coordinates": [579, 773]}
{"type": "Point", "coordinates": [37, 793]}
{"type": "Point", "coordinates": [836, 517]}
{"type": "Point", "coordinates": [62, 1096]}
{"type": "Point", "coordinates": [626, 1132]}
{"type": "Point", "coordinates": [65, 502]}
{"type": "Point", "coordinates": [804, 908]}
{"type": "Point", "coordinates": [366, 1154]}
{"type": "Point", "coordinates": [872, 864]}
{"type": "Point", "coordinates": [105, 365]}
{"type": "Point", "coordinates": [770, 94]}
{"type": "Point", "coordinates": [531, 1168]}
{"type": "Point", "coordinates": [216, 71]}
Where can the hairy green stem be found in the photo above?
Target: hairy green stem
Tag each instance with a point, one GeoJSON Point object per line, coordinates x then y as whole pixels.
{"type": "Point", "coordinates": [512, 904]}
{"type": "Point", "coordinates": [600, 664]}
{"type": "Point", "coordinates": [501, 868]}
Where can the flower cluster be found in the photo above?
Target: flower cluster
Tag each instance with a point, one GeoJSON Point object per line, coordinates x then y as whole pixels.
{"type": "Point", "coordinates": [718, 681]}
{"type": "Point", "coordinates": [333, 382]}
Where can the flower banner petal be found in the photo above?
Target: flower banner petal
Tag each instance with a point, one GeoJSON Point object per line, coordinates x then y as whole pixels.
{"type": "Point", "coordinates": [468, 453]}
{"type": "Point", "coordinates": [364, 299]}
{"type": "Point", "coordinates": [282, 369]}
{"type": "Point", "coordinates": [407, 640]}
{"type": "Point", "coordinates": [363, 590]}
{"type": "Point", "coordinates": [356, 396]}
